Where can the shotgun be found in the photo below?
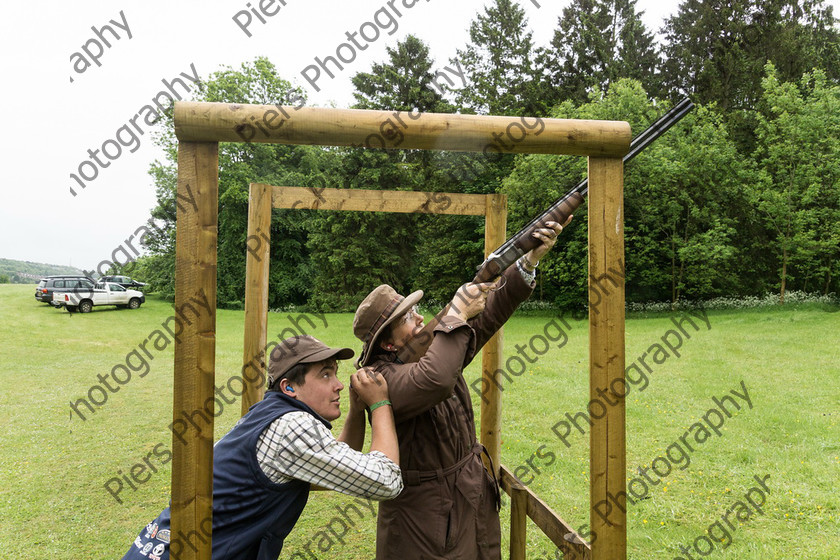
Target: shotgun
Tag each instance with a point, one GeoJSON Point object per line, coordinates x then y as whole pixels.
{"type": "Point", "coordinates": [523, 241]}
{"type": "Point", "coordinates": [562, 208]}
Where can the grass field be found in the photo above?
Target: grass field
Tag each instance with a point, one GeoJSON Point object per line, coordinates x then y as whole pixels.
{"type": "Point", "coordinates": [53, 466]}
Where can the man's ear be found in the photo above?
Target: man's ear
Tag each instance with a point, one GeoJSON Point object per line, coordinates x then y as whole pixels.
{"type": "Point", "coordinates": [287, 389]}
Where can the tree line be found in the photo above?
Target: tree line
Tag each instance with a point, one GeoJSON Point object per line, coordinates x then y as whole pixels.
{"type": "Point", "coordinates": [741, 198]}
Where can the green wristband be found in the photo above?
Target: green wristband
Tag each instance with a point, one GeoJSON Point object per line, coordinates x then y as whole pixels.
{"type": "Point", "coordinates": [376, 405]}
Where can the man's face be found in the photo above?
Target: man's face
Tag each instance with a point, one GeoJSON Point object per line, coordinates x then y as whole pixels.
{"type": "Point", "coordinates": [404, 328]}
{"type": "Point", "coordinates": [321, 389]}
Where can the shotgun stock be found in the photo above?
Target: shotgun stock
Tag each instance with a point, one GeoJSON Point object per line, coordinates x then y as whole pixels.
{"type": "Point", "coordinates": [523, 241]}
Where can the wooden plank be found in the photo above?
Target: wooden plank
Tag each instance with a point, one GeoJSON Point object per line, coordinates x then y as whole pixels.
{"type": "Point", "coordinates": [258, 245]}
{"type": "Point", "coordinates": [195, 348]}
{"type": "Point", "coordinates": [564, 537]}
{"type": "Point", "coordinates": [518, 522]}
{"type": "Point", "coordinates": [495, 230]}
{"type": "Point", "coordinates": [606, 358]}
{"type": "Point", "coordinates": [362, 200]}
{"type": "Point", "coordinates": [492, 135]}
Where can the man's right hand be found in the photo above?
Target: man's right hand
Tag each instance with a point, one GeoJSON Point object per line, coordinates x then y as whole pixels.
{"type": "Point", "coordinates": [369, 385]}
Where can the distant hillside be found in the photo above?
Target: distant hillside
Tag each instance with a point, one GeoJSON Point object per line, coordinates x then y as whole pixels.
{"type": "Point", "coordinates": [26, 272]}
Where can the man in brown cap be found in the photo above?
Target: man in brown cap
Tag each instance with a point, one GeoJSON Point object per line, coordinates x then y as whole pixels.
{"type": "Point", "coordinates": [449, 506]}
{"type": "Point", "coordinates": [263, 467]}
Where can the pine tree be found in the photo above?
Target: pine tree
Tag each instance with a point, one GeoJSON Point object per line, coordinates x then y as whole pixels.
{"type": "Point", "coordinates": [352, 253]}
{"type": "Point", "coordinates": [596, 43]}
{"type": "Point", "coordinates": [716, 49]}
{"type": "Point", "coordinates": [498, 63]}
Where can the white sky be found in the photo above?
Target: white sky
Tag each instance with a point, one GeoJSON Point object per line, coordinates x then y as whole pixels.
{"type": "Point", "coordinates": [51, 123]}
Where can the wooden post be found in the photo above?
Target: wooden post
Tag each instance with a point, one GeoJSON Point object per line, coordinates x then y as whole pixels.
{"type": "Point", "coordinates": [495, 231]}
{"type": "Point", "coordinates": [606, 356]}
{"type": "Point", "coordinates": [195, 347]}
{"type": "Point", "coordinates": [518, 522]}
{"type": "Point", "coordinates": [258, 245]}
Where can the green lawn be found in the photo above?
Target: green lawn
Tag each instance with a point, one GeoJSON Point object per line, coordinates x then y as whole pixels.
{"type": "Point", "coordinates": [54, 465]}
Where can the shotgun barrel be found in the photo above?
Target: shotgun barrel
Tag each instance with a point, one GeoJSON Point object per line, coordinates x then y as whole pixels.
{"type": "Point", "coordinates": [523, 241]}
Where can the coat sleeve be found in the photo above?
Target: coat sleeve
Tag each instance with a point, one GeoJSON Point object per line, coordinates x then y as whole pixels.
{"type": "Point", "coordinates": [417, 387]}
{"type": "Point", "coordinates": [500, 306]}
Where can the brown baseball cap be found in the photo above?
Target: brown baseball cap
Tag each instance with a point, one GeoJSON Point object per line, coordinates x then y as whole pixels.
{"type": "Point", "coordinates": [303, 349]}
{"type": "Point", "coordinates": [377, 311]}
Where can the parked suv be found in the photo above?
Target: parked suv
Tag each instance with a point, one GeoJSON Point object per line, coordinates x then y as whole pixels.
{"type": "Point", "coordinates": [123, 281]}
{"type": "Point", "coordinates": [105, 293]}
{"type": "Point", "coordinates": [65, 283]}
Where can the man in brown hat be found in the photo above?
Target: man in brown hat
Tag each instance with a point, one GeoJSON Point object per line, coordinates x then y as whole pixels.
{"type": "Point", "coordinates": [449, 506]}
{"type": "Point", "coordinates": [263, 467]}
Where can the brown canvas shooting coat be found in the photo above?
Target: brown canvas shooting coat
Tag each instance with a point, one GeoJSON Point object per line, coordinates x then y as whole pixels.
{"type": "Point", "coordinates": [448, 508]}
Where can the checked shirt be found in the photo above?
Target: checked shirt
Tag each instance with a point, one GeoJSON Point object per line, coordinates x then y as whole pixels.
{"type": "Point", "coordinates": [298, 446]}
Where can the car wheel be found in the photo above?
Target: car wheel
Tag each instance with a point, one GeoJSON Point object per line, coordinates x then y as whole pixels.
{"type": "Point", "coordinates": [85, 306]}
{"type": "Point", "coordinates": [134, 303]}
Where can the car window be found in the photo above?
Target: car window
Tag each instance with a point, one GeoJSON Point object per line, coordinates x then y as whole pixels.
{"type": "Point", "coordinates": [58, 284]}
{"type": "Point", "coordinates": [116, 288]}
{"type": "Point", "coordinates": [42, 283]}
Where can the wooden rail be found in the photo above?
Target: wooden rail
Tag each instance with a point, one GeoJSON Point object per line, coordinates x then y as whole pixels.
{"type": "Point", "coordinates": [492, 135]}
{"type": "Point", "coordinates": [524, 501]}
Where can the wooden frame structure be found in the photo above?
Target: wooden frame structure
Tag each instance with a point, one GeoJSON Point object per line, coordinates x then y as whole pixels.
{"type": "Point", "coordinates": [201, 126]}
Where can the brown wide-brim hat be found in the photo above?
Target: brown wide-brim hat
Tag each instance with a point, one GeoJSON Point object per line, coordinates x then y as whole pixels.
{"type": "Point", "coordinates": [304, 349]}
{"type": "Point", "coordinates": [377, 311]}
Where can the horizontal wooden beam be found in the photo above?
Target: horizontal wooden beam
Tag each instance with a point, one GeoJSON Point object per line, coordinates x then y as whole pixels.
{"type": "Point", "coordinates": [361, 200]}
{"type": "Point", "coordinates": [493, 135]}
{"type": "Point", "coordinates": [569, 541]}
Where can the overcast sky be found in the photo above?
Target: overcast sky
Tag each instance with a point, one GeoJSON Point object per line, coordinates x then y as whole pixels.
{"type": "Point", "coordinates": [60, 104]}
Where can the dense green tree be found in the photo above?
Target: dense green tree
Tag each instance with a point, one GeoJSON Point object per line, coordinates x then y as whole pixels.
{"type": "Point", "coordinates": [354, 252]}
{"type": "Point", "coordinates": [680, 200]}
{"type": "Point", "coordinates": [716, 49]}
{"type": "Point", "coordinates": [498, 63]}
{"type": "Point", "coordinates": [596, 43]}
{"type": "Point", "coordinates": [404, 83]}
{"type": "Point", "coordinates": [700, 219]}
{"type": "Point", "coordinates": [799, 156]}
{"type": "Point", "coordinates": [239, 165]}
